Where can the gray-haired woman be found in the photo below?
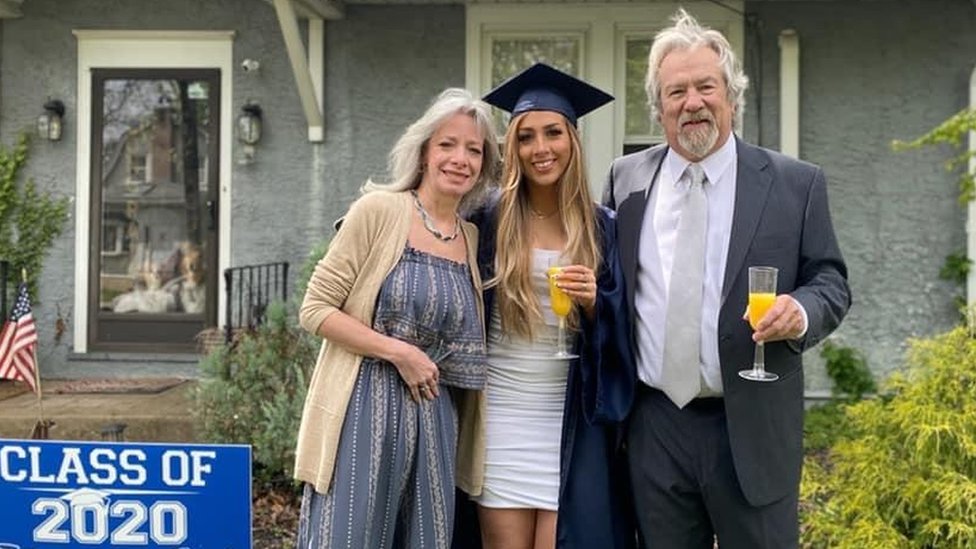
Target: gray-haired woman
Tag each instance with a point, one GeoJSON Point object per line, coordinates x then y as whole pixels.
{"type": "Point", "coordinates": [397, 298]}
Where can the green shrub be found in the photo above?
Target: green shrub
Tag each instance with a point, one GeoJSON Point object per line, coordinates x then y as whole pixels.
{"type": "Point", "coordinates": [30, 220]}
{"type": "Point", "coordinates": [253, 391]}
{"type": "Point", "coordinates": [849, 370]}
{"type": "Point", "coordinates": [305, 273]}
{"type": "Point", "coordinates": [825, 424]}
{"type": "Point", "coordinates": [906, 475]}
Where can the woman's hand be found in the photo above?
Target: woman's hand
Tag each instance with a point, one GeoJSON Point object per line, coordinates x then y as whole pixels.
{"type": "Point", "coordinates": [415, 367]}
{"type": "Point", "coordinates": [417, 370]}
{"type": "Point", "coordinates": [579, 283]}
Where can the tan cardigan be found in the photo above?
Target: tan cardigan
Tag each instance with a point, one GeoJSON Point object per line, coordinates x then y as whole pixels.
{"type": "Point", "coordinates": [349, 277]}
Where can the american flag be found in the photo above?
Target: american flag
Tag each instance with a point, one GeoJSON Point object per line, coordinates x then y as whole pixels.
{"type": "Point", "coordinates": [17, 342]}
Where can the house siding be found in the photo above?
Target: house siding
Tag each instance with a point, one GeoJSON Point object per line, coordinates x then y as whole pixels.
{"type": "Point", "coordinates": [871, 72]}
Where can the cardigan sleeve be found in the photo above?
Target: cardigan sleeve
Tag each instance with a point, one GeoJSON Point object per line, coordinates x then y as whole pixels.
{"type": "Point", "coordinates": [607, 369]}
{"type": "Point", "coordinates": [337, 271]}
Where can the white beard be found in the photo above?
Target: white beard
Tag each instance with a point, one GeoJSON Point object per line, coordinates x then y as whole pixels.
{"type": "Point", "coordinates": [700, 142]}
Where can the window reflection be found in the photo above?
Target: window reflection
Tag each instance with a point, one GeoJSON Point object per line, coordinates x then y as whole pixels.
{"type": "Point", "coordinates": [155, 136]}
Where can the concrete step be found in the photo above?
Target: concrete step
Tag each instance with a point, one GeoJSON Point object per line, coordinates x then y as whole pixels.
{"type": "Point", "coordinates": [155, 417]}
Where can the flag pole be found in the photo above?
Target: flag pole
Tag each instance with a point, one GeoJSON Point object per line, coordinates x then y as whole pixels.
{"type": "Point", "coordinates": [37, 380]}
{"type": "Point", "coordinates": [37, 367]}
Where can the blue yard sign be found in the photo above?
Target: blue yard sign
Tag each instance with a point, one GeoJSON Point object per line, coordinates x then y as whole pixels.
{"type": "Point", "coordinates": [83, 494]}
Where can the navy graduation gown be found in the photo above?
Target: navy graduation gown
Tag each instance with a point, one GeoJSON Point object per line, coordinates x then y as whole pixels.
{"type": "Point", "coordinates": [594, 492]}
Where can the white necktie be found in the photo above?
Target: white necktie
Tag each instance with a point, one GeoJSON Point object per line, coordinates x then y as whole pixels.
{"type": "Point", "coordinates": [680, 377]}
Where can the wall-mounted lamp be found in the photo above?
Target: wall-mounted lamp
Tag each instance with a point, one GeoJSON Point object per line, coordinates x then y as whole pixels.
{"type": "Point", "coordinates": [49, 123]}
{"type": "Point", "coordinates": [249, 124]}
{"type": "Point", "coordinates": [248, 132]}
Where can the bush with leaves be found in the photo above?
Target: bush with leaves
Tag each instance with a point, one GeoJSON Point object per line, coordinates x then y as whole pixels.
{"type": "Point", "coordinates": [849, 370]}
{"type": "Point", "coordinates": [824, 424]}
{"type": "Point", "coordinates": [29, 220]}
{"type": "Point", "coordinates": [253, 391]}
{"type": "Point", "coordinates": [905, 477]}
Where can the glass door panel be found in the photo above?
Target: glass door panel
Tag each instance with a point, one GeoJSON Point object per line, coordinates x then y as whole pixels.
{"type": "Point", "coordinates": [154, 206]}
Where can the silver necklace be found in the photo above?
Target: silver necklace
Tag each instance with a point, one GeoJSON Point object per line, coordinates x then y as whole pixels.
{"type": "Point", "coordinates": [429, 223]}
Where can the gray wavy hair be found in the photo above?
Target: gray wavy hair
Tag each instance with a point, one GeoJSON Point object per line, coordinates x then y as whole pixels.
{"type": "Point", "coordinates": [685, 34]}
{"type": "Point", "coordinates": [407, 154]}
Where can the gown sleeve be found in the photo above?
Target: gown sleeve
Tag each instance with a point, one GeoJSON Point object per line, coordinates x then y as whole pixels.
{"type": "Point", "coordinates": [607, 368]}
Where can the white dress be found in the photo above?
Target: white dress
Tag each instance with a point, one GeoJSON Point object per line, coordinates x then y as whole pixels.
{"type": "Point", "coordinates": [525, 392]}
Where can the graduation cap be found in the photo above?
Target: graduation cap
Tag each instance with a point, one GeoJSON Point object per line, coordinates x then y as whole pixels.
{"type": "Point", "coordinates": [86, 496]}
{"type": "Point", "coordinates": [543, 88]}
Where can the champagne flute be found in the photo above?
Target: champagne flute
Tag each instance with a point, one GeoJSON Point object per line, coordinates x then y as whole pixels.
{"type": "Point", "coordinates": [762, 295]}
{"type": "Point", "coordinates": [561, 306]}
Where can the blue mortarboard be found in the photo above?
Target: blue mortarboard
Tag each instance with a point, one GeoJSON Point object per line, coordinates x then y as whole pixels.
{"type": "Point", "coordinates": [543, 88]}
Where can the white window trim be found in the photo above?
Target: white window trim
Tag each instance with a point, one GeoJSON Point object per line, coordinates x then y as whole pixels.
{"type": "Point", "coordinates": [601, 24]}
{"type": "Point", "coordinates": [146, 49]}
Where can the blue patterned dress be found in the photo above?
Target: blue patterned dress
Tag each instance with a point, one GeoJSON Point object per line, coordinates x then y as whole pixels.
{"type": "Point", "coordinates": [394, 474]}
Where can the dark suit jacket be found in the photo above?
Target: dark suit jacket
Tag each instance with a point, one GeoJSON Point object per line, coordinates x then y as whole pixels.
{"type": "Point", "coordinates": [781, 219]}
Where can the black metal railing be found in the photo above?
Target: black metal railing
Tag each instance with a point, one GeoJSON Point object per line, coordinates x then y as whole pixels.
{"type": "Point", "coordinates": [250, 289]}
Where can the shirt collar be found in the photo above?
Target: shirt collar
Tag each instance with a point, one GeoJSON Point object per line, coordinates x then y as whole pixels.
{"type": "Point", "coordinates": [715, 164]}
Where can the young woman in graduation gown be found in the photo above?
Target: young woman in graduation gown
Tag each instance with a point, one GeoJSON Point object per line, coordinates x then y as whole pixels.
{"type": "Point", "coordinates": [554, 473]}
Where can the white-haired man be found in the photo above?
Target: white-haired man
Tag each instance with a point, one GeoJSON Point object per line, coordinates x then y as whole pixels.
{"type": "Point", "coordinates": [712, 454]}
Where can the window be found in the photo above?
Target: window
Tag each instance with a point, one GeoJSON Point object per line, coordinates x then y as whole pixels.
{"type": "Point", "coordinates": [640, 131]}
{"type": "Point", "coordinates": [514, 52]}
{"type": "Point", "coordinates": [137, 169]}
{"type": "Point", "coordinates": [113, 237]}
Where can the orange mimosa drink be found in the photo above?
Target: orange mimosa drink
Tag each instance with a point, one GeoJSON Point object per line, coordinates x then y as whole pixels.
{"type": "Point", "coordinates": [762, 295]}
{"type": "Point", "coordinates": [561, 304]}
{"type": "Point", "coordinates": [759, 304]}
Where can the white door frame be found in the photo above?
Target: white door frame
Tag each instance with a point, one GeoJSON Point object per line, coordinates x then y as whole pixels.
{"type": "Point", "coordinates": [146, 49]}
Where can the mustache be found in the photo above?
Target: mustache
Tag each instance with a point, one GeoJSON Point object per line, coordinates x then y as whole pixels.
{"type": "Point", "coordinates": [699, 116]}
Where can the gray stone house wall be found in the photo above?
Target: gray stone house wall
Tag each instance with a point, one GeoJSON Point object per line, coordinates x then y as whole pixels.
{"type": "Point", "coordinates": [383, 65]}
{"type": "Point", "coordinates": [871, 72]}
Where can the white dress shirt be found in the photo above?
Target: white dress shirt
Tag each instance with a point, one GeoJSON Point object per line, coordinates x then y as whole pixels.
{"type": "Point", "coordinates": [656, 256]}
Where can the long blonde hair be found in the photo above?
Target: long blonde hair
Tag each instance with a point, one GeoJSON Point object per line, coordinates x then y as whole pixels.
{"type": "Point", "coordinates": [518, 305]}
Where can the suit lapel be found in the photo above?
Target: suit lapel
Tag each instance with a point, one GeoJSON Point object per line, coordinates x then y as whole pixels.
{"type": "Point", "coordinates": [630, 218]}
{"type": "Point", "coordinates": [752, 186]}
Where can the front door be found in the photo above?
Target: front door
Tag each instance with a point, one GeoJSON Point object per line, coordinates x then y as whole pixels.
{"type": "Point", "coordinates": [155, 143]}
